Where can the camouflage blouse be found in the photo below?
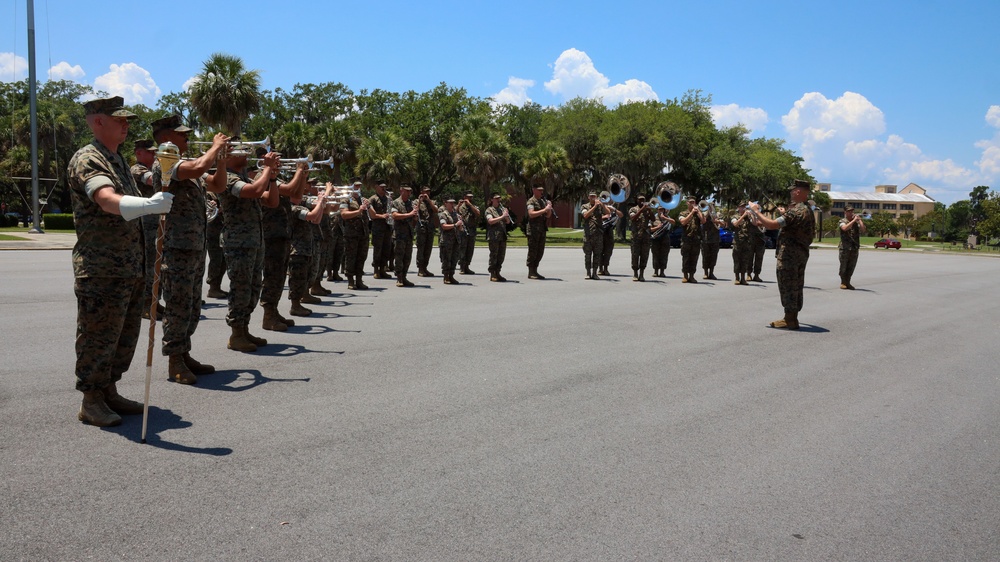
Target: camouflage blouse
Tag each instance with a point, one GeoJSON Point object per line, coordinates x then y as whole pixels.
{"type": "Point", "coordinates": [106, 244]}
{"type": "Point", "coordinates": [241, 227]}
{"type": "Point", "coordinates": [184, 226]}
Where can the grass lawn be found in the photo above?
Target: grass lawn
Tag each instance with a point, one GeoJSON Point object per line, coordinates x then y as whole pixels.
{"type": "Point", "coordinates": [8, 237]}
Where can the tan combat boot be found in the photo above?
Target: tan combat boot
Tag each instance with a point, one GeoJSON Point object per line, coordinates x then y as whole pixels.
{"type": "Point", "coordinates": [789, 322]}
{"type": "Point", "coordinates": [178, 371]}
{"type": "Point", "coordinates": [238, 340]}
{"type": "Point", "coordinates": [216, 292]}
{"type": "Point", "coordinates": [119, 404]}
{"type": "Point", "coordinates": [298, 310]}
{"type": "Point", "coordinates": [95, 410]}
{"type": "Point", "coordinates": [271, 321]}
{"type": "Point", "coordinates": [259, 342]}
{"type": "Point", "coordinates": [197, 367]}
{"type": "Point", "coordinates": [309, 299]}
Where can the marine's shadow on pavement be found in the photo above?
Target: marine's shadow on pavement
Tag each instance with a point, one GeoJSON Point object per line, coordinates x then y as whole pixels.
{"type": "Point", "coordinates": [315, 329]}
{"type": "Point", "coordinates": [161, 420]}
{"type": "Point", "coordinates": [240, 380]}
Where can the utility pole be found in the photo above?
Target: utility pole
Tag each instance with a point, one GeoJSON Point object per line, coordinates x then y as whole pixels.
{"type": "Point", "coordinates": [33, 108]}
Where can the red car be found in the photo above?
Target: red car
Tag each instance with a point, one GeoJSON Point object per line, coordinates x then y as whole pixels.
{"type": "Point", "coordinates": [888, 243]}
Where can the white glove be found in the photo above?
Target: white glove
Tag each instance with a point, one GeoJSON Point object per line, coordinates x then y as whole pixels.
{"type": "Point", "coordinates": [133, 207]}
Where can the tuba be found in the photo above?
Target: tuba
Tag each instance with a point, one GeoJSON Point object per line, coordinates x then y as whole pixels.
{"type": "Point", "coordinates": [619, 188]}
{"type": "Point", "coordinates": [666, 196]}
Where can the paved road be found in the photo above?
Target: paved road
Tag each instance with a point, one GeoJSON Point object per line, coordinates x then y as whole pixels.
{"type": "Point", "coordinates": [535, 420]}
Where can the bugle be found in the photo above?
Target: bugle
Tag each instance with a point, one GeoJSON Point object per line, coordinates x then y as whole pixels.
{"type": "Point", "coordinates": [233, 146]}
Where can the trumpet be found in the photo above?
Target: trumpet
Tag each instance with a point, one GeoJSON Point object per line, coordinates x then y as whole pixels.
{"type": "Point", "coordinates": [247, 146]}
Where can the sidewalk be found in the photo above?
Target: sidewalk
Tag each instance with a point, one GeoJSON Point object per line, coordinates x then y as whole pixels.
{"type": "Point", "coordinates": [52, 241]}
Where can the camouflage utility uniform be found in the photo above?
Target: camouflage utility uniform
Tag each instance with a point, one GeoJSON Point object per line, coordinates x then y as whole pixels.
{"type": "Point", "coordinates": [303, 245]}
{"type": "Point", "coordinates": [496, 236]}
{"type": "Point", "coordinates": [690, 246]}
{"type": "Point", "coordinates": [593, 238]}
{"type": "Point", "coordinates": [242, 245]}
{"type": "Point", "coordinates": [426, 225]}
{"type": "Point", "coordinates": [660, 246]}
{"type": "Point", "coordinates": [793, 253]}
{"type": "Point", "coordinates": [108, 269]}
{"type": "Point", "coordinates": [639, 219]}
{"type": "Point", "coordinates": [537, 227]}
{"type": "Point", "coordinates": [275, 230]}
{"type": "Point", "coordinates": [381, 234]}
{"type": "Point", "coordinates": [355, 241]}
{"type": "Point", "coordinates": [213, 246]}
{"type": "Point", "coordinates": [403, 237]}
{"type": "Point", "coordinates": [468, 248]}
{"type": "Point", "coordinates": [710, 241]}
{"type": "Point", "coordinates": [150, 224]}
{"type": "Point", "coordinates": [448, 243]}
{"type": "Point", "coordinates": [850, 245]}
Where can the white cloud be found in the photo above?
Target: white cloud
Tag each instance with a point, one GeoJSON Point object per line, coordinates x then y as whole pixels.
{"type": "Point", "coordinates": [989, 163]}
{"type": "Point", "coordinates": [842, 140]}
{"type": "Point", "coordinates": [516, 92]}
{"type": "Point", "coordinates": [131, 82]}
{"type": "Point", "coordinates": [753, 118]}
{"type": "Point", "coordinates": [574, 75]}
{"type": "Point", "coordinates": [189, 82]}
{"type": "Point", "coordinates": [12, 67]}
{"type": "Point", "coordinates": [63, 71]}
{"type": "Point", "coordinates": [993, 116]}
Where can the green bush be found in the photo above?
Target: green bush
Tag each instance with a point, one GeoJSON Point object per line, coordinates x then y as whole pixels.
{"type": "Point", "coordinates": [58, 222]}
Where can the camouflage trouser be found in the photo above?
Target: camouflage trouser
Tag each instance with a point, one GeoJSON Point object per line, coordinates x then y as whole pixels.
{"type": "Point", "coordinates": [381, 247]}
{"type": "Point", "coordinates": [791, 273]}
{"type": "Point", "coordinates": [536, 248]}
{"type": "Point", "coordinates": [108, 322]}
{"type": "Point", "coordinates": [299, 268]}
{"type": "Point", "coordinates": [216, 258]}
{"type": "Point", "coordinates": [498, 251]}
{"type": "Point", "coordinates": [447, 249]}
{"type": "Point", "coordinates": [150, 224]}
{"type": "Point", "coordinates": [356, 252]}
{"type": "Point", "coordinates": [593, 250]}
{"type": "Point", "coordinates": [709, 254]}
{"type": "Point", "coordinates": [335, 260]}
{"type": "Point", "coordinates": [742, 258]}
{"type": "Point", "coordinates": [245, 267]}
{"type": "Point", "coordinates": [758, 258]}
{"type": "Point", "coordinates": [640, 252]}
{"type": "Point", "coordinates": [183, 272]}
{"type": "Point", "coordinates": [321, 255]}
{"type": "Point", "coordinates": [660, 248]}
{"type": "Point", "coordinates": [425, 242]}
{"type": "Point", "coordinates": [848, 261]}
{"type": "Point", "coordinates": [275, 266]}
{"type": "Point", "coordinates": [469, 248]}
{"type": "Point", "coordinates": [690, 248]}
{"type": "Point", "coordinates": [404, 254]}
{"type": "Point", "coordinates": [609, 246]}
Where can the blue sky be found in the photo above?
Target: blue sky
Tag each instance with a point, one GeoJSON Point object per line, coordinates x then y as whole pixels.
{"type": "Point", "coordinates": [867, 92]}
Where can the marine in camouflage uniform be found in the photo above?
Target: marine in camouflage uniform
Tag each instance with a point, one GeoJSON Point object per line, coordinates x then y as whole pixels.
{"type": "Point", "coordinates": [108, 262]}
{"type": "Point", "coordinates": [145, 155]}
{"type": "Point", "coordinates": [757, 246]}
{"type": "Point", "coordinates": [659, 245]}
{"type": "Point", "coordinates": [242, 243]}
{"type": "Point", "coordinates": [743, 232]}
{"type": "Point", "coordinates": [640, 218]}
{"type": "Point", "coordinates": [404, 220]}
{"type": "Point", "coordinates": [379, 207]}
{"type": "Point", "coordinates": [451, 225]}
{"type": "Point", "coordinates": [321, 252]}
{"type": "Point", "coordinates": [608, 234]}
{"type": "Point", "coordinates": [593, 212]}
{"type": "Point", "coordinates": [691, 221]}
{"type": "Point", "coordinates": [335, 257]}
{"type": "Point", "coordinates": [798, 227]}
{"type": "Point", "coordinates": [216, 267]}
{"type": "Point", "coordinates": [538, 210]}
{"type": "Point", "coordinates": [305, 217]}
{"type": "Point", "coordinates": [710, 242]}
{"type": "Point", "coordinates": [183, 270]}
{"type": "Point", "coordinates": [427, 213]}
{"type": "Point", "coordinates": [276, 232]}
{"type": "Point", "coordinates": [851, 228]}
{"type": "Point", "coordinates": [497, 220]}
{"type": "Point", "coordinates": [470, 217]}
{"type": "Point", "coordinates": [355, 220]}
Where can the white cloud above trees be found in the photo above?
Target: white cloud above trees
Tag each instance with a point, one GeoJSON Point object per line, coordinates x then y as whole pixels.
{"type": "Point", "coordinates": [131, 82]}
{"type": "Point", "coordinates": [730, 115]}
{"type": "Point", "coordinates": [516, 92]}
{"type": "Point", "coordinates": [65, 71]}
{"type": "Point", "coordinates": [12, 67]}
{"type": "Point", "coordinates": [574, 75]}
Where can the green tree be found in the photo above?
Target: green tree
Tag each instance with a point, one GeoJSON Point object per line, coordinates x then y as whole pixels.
{"type": "Point", "coordinates": [480, 153]}
{"type": "Point", "coordinates": [386, 156]}
{"type": "Point", "coordinates": [882, 224]}
{"type": "Point", "coordinates": [907, 224]}
{"type": "Point", "coordinates": [549, 164]}
{"type": "Point", "coordinates": [225, 93]}
{"type": "Point", "coordinates": [989, 226]}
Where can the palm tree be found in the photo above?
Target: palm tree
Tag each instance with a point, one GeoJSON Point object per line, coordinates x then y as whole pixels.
{"type": "Point", "coordinates": [480, 153]}
{"type": "Point", "coordinates": [386, 156]}
{"type": "Point", "coordinates": [226, 93]}
{"type": "Point", "coordinates": [548, 163]}
{"type": "Point", "coordinates": [335, 139]}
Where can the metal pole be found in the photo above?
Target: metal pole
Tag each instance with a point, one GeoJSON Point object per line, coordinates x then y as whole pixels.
{"type": "Point", "coordinates": [33, 108]}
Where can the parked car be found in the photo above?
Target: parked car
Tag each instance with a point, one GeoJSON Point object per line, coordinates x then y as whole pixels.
{"type": "Point", "coordinates": [888, 243]}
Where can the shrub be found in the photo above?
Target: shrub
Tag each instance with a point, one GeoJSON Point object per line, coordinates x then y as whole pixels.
{"type": "Point", "coordinates": [58, 222]}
